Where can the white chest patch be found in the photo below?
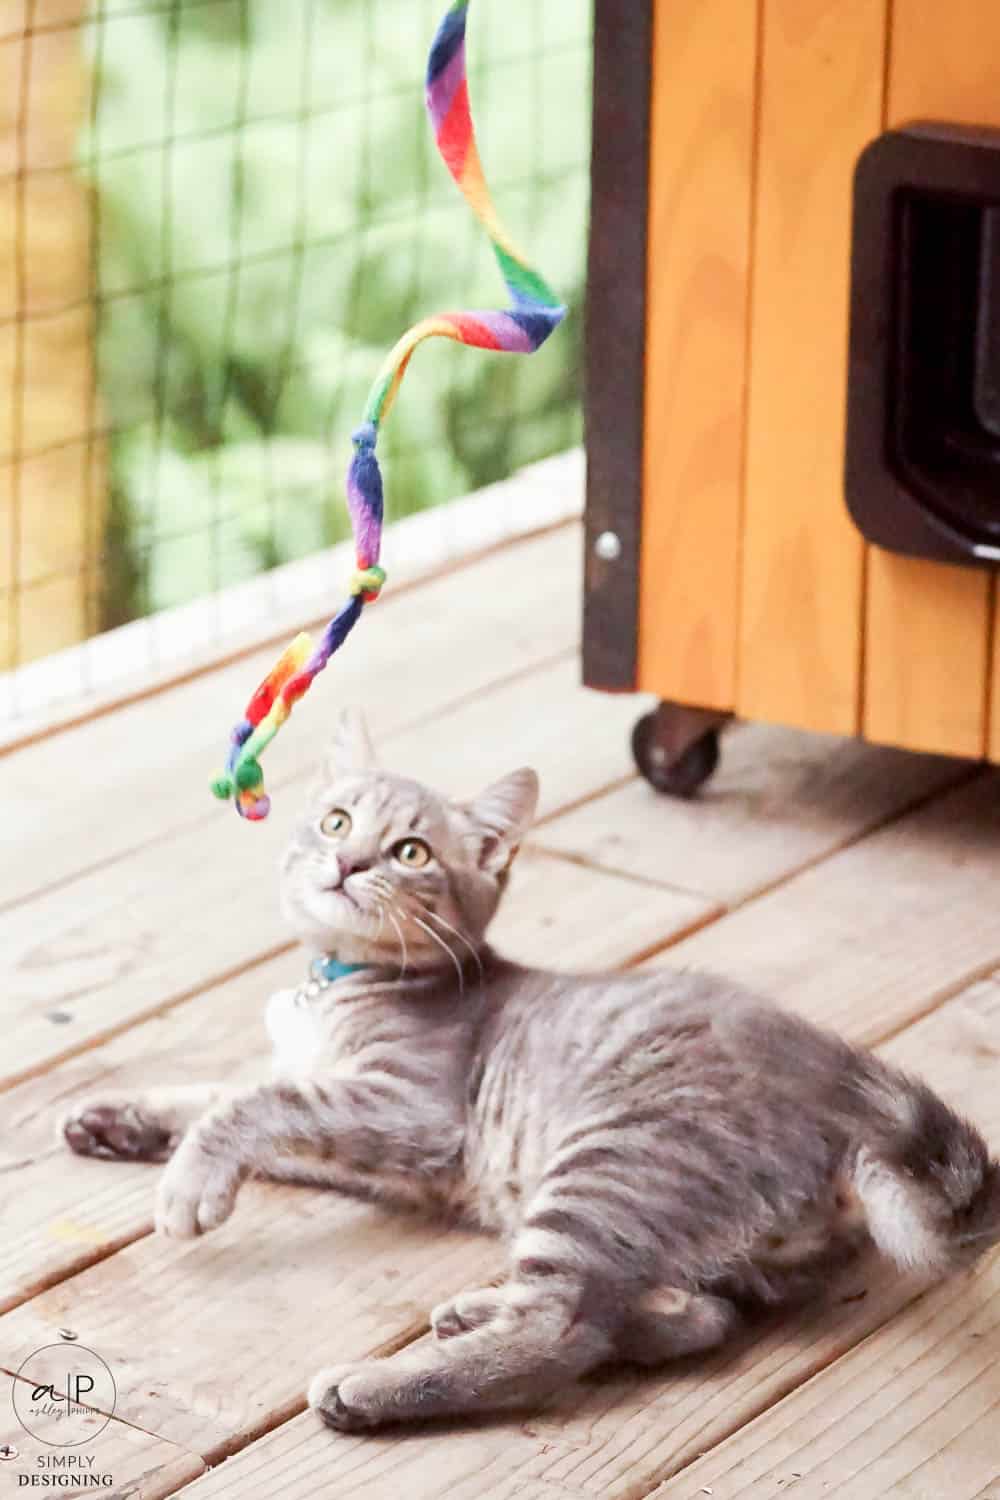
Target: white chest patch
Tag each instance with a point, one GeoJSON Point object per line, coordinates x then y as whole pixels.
{"type": "Point", "coordinates": [298, 1030]}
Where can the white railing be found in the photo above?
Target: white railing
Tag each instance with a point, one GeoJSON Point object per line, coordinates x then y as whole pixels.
{"type": "Point", "coordinates": [151, 652]}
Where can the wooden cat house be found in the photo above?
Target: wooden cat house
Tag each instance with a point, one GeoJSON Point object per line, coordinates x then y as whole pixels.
{"type": "Point", "coordinates": [793, 371]}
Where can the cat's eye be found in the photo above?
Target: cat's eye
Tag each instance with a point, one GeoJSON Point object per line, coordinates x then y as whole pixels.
{"type": "Point", "coordinates": [336, 824]}
{"type": "Point", "coordinates": [413, 853]}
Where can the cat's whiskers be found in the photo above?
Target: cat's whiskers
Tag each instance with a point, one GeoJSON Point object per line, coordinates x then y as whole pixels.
{"type": "Point", "coordinates": [436, 917]}
{"type": "Point", "coordinates": [401, 935]}
{"type": "Point", "coordinates": [443, 945]}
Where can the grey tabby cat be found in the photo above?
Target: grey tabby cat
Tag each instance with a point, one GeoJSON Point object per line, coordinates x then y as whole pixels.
{"type": "Point", "coordinates": [662, 1152]}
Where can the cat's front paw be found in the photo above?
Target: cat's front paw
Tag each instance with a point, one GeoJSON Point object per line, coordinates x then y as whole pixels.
{"type": "Point", "coordinates": [116, 1129]}
{"type": "Point", "coordinates": [196, 1194]}
{"type": "Point", "coordinates": [346, 1397]}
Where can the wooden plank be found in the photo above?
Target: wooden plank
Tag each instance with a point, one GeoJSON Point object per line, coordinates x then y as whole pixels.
{"type": "Point", "coordinates": [559, 918]}
{"type": "Point", "coordinates": [912, 1412]}
{"type": "Point", "coordinates": [780, 800]}
{"type": "Point", "coordinates": [702, 142]}
{"type": "Point", "coordinates": [297, 1279]}
{"type": "Point", "coordinates": [879, 933]}
{"type": "Point", "coordinates": [120, 941]}
{"type": "Point", "coordinates": [928, 1431]}
{"type": "Point", "coordinates": [64, 1212]}
{"type": "Point", "coordinates": [578, 741]}
{"type": "Point", "coordinates": [113, 783]}
{"type": "Point", "coordinates": [927, 632]}
{"type": "Point", "coordinates": [488, 1461]}
{"type": "Point", "coordinates": [620, 1435]}
{"type": "Point", "coordinates": [799, 655]}
{"type": "Point", "coordinates": [138, 1465]}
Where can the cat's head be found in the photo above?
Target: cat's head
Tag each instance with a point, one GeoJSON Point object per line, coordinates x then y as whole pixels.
{"type": "Point", "coordinates": [379, 864]}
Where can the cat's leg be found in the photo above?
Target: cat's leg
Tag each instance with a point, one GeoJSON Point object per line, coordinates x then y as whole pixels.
{"type": "Point", "coordinates": [539, 1334]}
{"type": "Point", "coordinates": [369, 1126]}
{"type": "Point", "coordinates": [669, 1323]}
{"type": "Point", "coordinates": [666, 1324]}
{"type": "Point", "coordinates": [136, 1125]}
{"type": "Point", "coordinates": [467, 1311]}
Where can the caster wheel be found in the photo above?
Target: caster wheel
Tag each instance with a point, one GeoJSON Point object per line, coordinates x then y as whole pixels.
{"type": "Point", "coordinates": [679, 774]}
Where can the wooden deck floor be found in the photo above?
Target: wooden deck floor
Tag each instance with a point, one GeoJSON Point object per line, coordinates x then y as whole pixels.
{"type": "Point", "coordinates": [140, 937]}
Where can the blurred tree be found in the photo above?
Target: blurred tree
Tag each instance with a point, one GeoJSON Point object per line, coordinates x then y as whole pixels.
{"type": "Point", "coordinates": [270, 215]}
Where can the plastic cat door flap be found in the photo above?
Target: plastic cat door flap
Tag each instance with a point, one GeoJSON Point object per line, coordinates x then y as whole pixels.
{"type": "Point", "coordinates": [922, 472]}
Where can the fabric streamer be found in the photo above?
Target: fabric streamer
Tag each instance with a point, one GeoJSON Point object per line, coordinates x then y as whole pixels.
{"type": "Point", "coordinates": [534, 312]}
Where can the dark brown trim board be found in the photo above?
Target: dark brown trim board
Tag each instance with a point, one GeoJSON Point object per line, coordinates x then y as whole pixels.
{"type": "Point", "coordinates": [616, 339]}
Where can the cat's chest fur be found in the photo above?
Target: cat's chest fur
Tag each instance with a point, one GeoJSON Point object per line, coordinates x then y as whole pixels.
{"type": "Point", "coordinates": [323, 1025]}
{"type": "Point", "coordinates": [342, 1032]}
{"type": "Point", "coordinates": [300, 1032]}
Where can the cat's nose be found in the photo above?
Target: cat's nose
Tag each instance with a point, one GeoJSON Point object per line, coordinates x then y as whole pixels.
{"type": "Point", "coordinates": [346, 867]}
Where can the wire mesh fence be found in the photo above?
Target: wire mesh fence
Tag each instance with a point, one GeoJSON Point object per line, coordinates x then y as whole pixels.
{"type": "Point", "coordinates": [216, 217]}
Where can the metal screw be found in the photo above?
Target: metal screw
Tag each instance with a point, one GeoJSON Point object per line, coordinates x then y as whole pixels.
{"type": "Point", "coordinates": [68, 1335]}
{"type": "Point", "coordinates": [608, 546]}
{"type": "Point", "coordinates": [7, 1451]}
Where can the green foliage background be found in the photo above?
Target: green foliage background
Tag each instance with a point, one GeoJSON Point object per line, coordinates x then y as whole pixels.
{"type": "Point", "coordinates": [270, 215]}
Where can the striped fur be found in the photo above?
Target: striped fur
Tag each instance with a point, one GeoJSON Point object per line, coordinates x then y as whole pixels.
{"type": "Point", "coordinates": [663, 1152]}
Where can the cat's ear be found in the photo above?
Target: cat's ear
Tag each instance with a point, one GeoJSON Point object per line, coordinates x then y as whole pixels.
{"type": "Point", "coordinates": [502, 815]}
{"type": "Point", "coordinates": [351, 747]}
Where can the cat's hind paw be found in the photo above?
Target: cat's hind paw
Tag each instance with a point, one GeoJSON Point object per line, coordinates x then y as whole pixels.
{"type": "Point", "coordinates": [467, 1312]}
{"type": "Point", "coordinates": [115, 1129]}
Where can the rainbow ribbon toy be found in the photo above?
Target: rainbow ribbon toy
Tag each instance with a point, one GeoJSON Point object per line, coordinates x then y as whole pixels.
{"type": "Point", "coordinates": [533, 314]}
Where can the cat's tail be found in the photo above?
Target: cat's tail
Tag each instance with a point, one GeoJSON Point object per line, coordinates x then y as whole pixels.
{"type": "Point", "coordinates": [929, 1189]}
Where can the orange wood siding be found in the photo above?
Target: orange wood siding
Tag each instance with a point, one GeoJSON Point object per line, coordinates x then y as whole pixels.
{"type": "Point", "coordinates": [821, 102]}
{"type": "Point", "coordinates": [928, 627]}
{"type": "Point", "coordinates": [702, 127]}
